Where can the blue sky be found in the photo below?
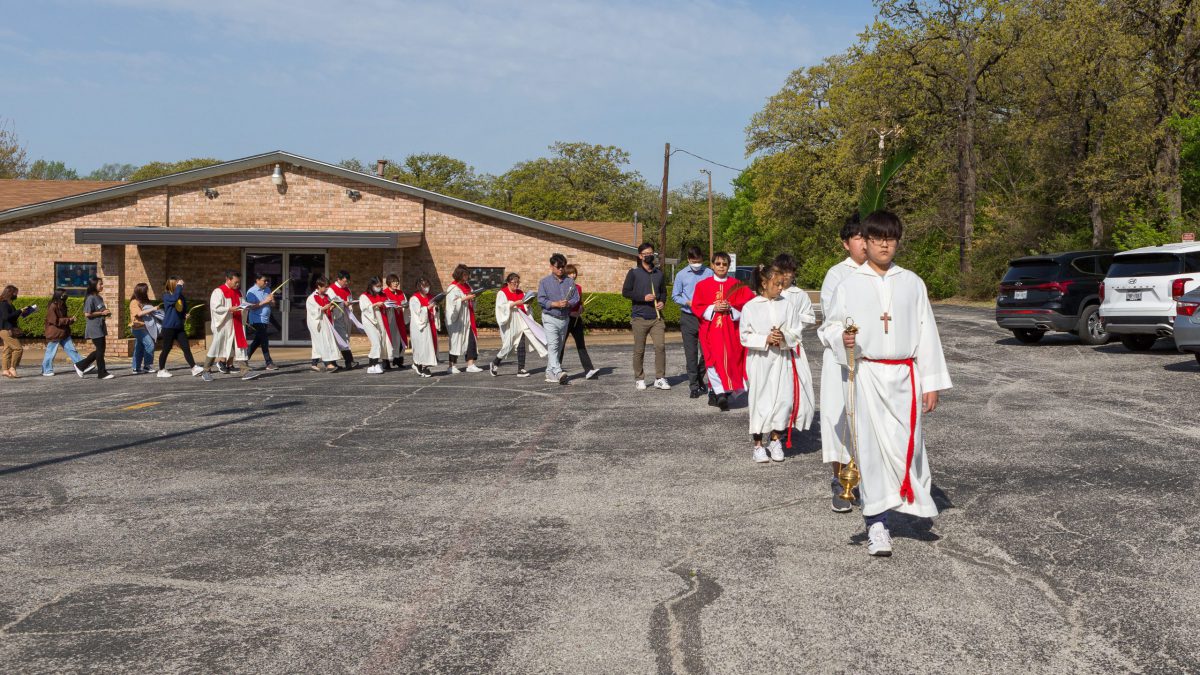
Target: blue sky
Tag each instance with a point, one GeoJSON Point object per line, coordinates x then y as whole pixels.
{"type": "Point", "coordinates": [489, 82]}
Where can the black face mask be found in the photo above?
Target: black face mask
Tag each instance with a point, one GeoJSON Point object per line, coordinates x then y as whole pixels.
{"type": "Point", "coordinates": [648, 259]}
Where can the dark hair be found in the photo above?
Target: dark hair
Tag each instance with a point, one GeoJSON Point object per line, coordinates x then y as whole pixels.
{"type": "Point", "coordinates": [9, 293]}
{"type": "Point", "coordinates": [883, 225]}
{"type": "Point", "coordinates": [141, 293]}
{"type": "Point", "coordinates": [230, 274]}
{"type": "Point", "coordinates": [372, 282]}
{"type": "Point", "coordinates": [343, 274]}
{"type": "Point", "coordinates": [570, 269]}
{"type": "Point", "coordinates": [852, 227]}
{"type": "Point", "coordinates": [693, 253]}
{"type": "Point", "coordinates": [511, 276]}
{"type": "Point", "coordinates": [558, 260]}
{"type": "Point", "coordinates": [262, 275]}
{"type": "Point", "coordinates": [722, 255]}
{"type": "Point", "coordinates": [321, 280]}
{"type": "Point", "coordinates": [762, 274]}
{"type": "Point", "coordinates": [60, 296]}
{"type": "Point", "coordinates": [92, 287]}
{"type": "Point", "coordinates": [422, 281]}
{"type": "Point", "coordinates": [460, 273]}
{"type": "Point", "coordinates": [644, 246]}
{"type": "Point", "coordinates": [785, 263]}
{"type": "Point", "coordinates": [392, 279]}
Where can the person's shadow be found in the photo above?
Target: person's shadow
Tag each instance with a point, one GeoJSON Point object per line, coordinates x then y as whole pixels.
{"type": "Point", "coordinates": [905, 526]}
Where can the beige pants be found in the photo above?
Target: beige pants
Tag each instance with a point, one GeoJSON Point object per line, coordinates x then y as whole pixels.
{"type": "Point", "coordinates": [655, 328]}
{"type": "Point", "coordinates": [12, 350]}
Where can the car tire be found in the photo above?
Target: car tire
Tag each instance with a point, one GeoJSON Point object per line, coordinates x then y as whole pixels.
{"type": "Point", "coordinates": [1198, 357]}
{"type": "Point", "coordinates": [1138, 343]}
{"type": "Point", "coordinates": [1028, 335]}
{"type": "Point", "coordinates": [1090, 329]}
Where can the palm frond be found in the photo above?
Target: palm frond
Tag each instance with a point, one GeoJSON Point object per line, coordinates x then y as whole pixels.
{"type": "Point", "coordinates": [874, 191]}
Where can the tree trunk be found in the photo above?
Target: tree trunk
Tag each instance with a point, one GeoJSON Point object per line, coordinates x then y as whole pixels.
{"type": "Point", "coordinates": [1097, 222]}
{"type": "Point", "coordinates": [1166, 168]}
{"type": "Point", "coordinates": [967, 180]}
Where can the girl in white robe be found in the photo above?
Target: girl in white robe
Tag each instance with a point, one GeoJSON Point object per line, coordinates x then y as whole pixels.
{"type": "Point", "coordinates": [460, 323]}
{"type": "Point", "coordinates": [397, 322]}
{"type": "Point", "coordinates": [370, 305]}
{"type": "Point", "coordinates": [780, 383]}
{"type": "Point", "coordinates": [511, 318]}
{"type": "Point", "coordinates": [423, 330]}
{"type": "Point", "coordinates": [320, 328]}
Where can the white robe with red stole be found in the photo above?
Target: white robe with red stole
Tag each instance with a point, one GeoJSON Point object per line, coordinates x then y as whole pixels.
{"type": "Point", "coordinates": [423, 331]}
{"type": "Point", "coordinates": [320, 329]}
{"type": "Point", "coordinates": [374, 323]}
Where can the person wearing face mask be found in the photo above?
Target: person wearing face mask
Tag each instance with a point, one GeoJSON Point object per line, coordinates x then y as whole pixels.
{"type": "Point", "coordinates": [318, 314]}
{"type": "Point", "coordinates": [645, 288]}
{"type": "Point", "coordinates": [375, 321]}
{"type": "Point", "coordinates": [229, 335]}
{"type": "Point", "coordinates": [423, 329]}
{"type": "Point", "coordinates": [689, 324]}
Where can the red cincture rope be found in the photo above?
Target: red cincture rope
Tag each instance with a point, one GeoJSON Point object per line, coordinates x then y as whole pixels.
{"type": "Point", "coordinates": [906, 491]}
{"type": "Point", "coordinates": [795, 397]}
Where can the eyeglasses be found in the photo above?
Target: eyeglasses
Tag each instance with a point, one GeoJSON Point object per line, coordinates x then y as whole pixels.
{"type": "Point", "coordinates": [720, 263]}
{"type": "Point", "coordinates": [556, 266]}
{"type": "Point", "coordinates": [882, 240]}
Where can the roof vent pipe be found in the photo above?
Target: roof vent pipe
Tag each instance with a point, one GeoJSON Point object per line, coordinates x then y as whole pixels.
{"type": "Point", "coordinates": [380, 164]}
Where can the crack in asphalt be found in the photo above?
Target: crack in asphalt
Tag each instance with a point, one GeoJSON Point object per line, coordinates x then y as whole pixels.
{"type": "Point", "coordinates": [675, 632]}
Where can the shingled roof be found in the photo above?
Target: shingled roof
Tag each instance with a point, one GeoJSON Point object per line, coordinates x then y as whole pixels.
{"type": "Point", "coordinates": [19, 192]}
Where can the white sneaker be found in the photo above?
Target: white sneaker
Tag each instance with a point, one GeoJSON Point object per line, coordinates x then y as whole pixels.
{"type": "Point", "coordinates": [78, 371]}
{"type": "Point", "coordinates": [661, 383]}
{"type": "Point", "coordinates": [108, 376]}
{"type": "Point", "coordinates": [164, 373]}
{"type": "Point", "coordinates": [776, 451]}
{"type": "Point", "coordinates": [640, 385]}
{"type": "Point", "coordinates": [879, 540]}
{"type": "Point", "coordinates": [454, 370]}
{"type": "Point", "coordinates": [196, 370]}
{"type": "Point", "coordinates": [522, 373]}
{"type": "Point", "coordinates": [592, 374]}
{"type": "Point", "coordinates": [89, 368]}
{"type": "Point", "coordinates": [760, 454]}
{"type": "Point", "coordinates": [417, 370]}
{"type": "Point", "coordinates": [474, 369]}
{"type": "Point", "coordinates": [494, 369]}
{"type": "Point", "coordinates": [49, 374]}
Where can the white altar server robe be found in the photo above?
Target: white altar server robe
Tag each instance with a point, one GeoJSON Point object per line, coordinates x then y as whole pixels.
{"type": "Point", "coordinates": [834, 431]}
{"type": "Point", "coordinates": [769, 370]}
{"type": "Point", "coordinates": [320, 331]}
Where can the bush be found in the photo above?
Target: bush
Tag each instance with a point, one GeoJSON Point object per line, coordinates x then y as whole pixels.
{"type": "Point", "coordinates": [933, 257]}
{"type": "Point", "coordinates": [34, 325]}
{"type": "Point", "coordinates": [601, 310]}
{"type": "Point", "coordinates": [1139, 226]}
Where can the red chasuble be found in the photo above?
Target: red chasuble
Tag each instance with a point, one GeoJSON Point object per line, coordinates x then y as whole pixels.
{"type": "Point", "coordinates": [235, 299]}
{"type": "Point", "coordinates": [719, 338]}
{"type": "Point", "coordinates": [466, 289]}
{"type": "Point", "coordinates": [515, 296]}
{"type": "Point", "coordinates": [427, 304]}
{"type": "Point", "coordinates": [398, 298]}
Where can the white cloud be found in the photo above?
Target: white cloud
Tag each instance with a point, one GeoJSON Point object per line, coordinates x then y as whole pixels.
{"type": "Point", "coordinates": [551, 50]}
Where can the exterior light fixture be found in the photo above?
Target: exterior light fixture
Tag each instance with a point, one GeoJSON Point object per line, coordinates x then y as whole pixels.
{"type": "Point", "coordinates": [353, 194]}
{"type": "Point", "coordinates": [277, 177]}
{"type": "Point", "coordinates": [211, 193]}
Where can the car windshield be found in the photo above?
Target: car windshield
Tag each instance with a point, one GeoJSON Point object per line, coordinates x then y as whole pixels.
{"type": "Point", "coordinates": [1031, 270]}
{"type": "Point", "coordinates": [1145, 265]}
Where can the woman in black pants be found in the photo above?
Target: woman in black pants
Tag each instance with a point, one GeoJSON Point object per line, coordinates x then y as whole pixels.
{"type": "Point", "coordinates": [95, 313]}
{"type": "Point", "coordinates": [174, 311]}
{"type": "Point", "coordinates": [575, 328]}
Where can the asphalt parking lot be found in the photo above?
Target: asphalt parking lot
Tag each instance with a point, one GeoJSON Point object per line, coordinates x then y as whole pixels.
{"type": "Point", "coordinates": [305, 522]}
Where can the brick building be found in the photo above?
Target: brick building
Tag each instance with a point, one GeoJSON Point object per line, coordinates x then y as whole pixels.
{"type": "Point", "coordinates": [288, 216]}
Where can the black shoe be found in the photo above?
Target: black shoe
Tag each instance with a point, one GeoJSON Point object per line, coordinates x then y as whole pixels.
{"type": "Point", "coordinates": [723, 402]}
{"type": "Point", "coordinates": [695, 393]}
{"type": "Point", "coordinates": [712, 399]}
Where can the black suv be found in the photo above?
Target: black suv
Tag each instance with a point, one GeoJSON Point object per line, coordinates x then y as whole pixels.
{"type": "Point", "coordinates": [1059, 292]}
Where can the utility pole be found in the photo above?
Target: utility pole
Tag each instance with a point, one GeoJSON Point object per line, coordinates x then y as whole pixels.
{"type": "Point", "coordinates": [710, 215]}
{"type": "Point", "coordinates": [662, 211]}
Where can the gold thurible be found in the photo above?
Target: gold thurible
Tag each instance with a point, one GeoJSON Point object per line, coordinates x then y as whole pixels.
{"type": "Point", "coordinates": [848, 475]}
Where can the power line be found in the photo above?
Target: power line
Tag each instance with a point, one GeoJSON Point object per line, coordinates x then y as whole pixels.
{"type": "Point", "coordinates": [703, 159]}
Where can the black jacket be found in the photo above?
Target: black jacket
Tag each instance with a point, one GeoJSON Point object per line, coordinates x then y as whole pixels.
{"type": "Point", "coordinates": [638, 284]}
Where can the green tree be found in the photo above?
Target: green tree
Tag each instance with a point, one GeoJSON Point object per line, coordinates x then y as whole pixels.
{"type": "Point", "coordinates": [441, 174]}
{"type": "Point", "coordinates": [579, 181]}
{"type": "Point", "coordinates": [113, 171]}
{"type": "Point", "coordinates": [56, 170]}
{"type": "Point", "coordinates": [12, 153]}
{"type": "Point", "coordinates": [158, 169]}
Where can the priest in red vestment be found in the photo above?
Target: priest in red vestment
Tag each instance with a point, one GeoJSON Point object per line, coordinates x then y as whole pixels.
{"type": "Point", "coordinates": [718, 301]}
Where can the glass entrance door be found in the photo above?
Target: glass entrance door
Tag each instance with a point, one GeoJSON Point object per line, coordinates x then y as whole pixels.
{"type": "Point", "coordinates": [288, 324]}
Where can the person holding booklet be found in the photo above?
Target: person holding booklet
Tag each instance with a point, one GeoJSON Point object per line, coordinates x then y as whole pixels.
{"type": "Point", "coordinates": [516, 325]}
{"type": "Point", "coordinates": [899, 370]}
{"type": "Point", "coordinates": [225, 309]}
{"type": "Point", "coordinates": [396, 309]}
{"type": "Point", "coordinates": [717, 301]}
{"type": "Point", "coordinates": [10, 332]}
{"type": "Point", "coordinates": [423, 324]}
{"type": "Point", "coordinates": [260, 298]}
{"type": "Point", "coordinates": [318, 315]}
{"type": "Point", "coordinates": [375, 322]}
{"type": "Point", "coordinates": [460, 322]}
{"type": "Point", "coordinates": [339, 293]}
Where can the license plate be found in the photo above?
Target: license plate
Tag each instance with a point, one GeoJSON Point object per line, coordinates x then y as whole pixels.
{"type": "Point", "coordinates": [1020, 295]}
{"type": "Point", "coordinates": [1133, 296]}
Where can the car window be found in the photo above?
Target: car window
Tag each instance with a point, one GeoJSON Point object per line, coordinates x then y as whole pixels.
{"type": "Point", "coordinates": [1104, 262]}
{"type": "Point", "coordinates": [1146, 265]}
{"type": "Point", "coordinates": [1191, 262]}
{"type": "Point", "coordinates": [1085, 265]}
{"type": "Point", "coordinates": [1031, 270]}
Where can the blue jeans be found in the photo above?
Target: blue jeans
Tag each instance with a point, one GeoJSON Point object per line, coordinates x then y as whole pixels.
{"type": "Point", "coordinates": [556, 336]}
{"type": "Point", "coordinates": [143, 350]}
{"type": "Point", "coordinates": [52, 348]}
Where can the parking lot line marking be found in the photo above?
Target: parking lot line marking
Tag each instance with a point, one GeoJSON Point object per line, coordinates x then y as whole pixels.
{"type": "Point", "coordinates": [139, 406]}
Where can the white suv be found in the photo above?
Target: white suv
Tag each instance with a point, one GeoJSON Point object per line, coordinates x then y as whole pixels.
{"type": "Point", "coordinates": [1137, 298]}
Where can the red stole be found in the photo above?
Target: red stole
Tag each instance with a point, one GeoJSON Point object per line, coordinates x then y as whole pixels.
{"type": "Point", "coordinates": [515, 296]}
{"type": "Point", "coordinates": [383, 313]}
{"type": "Point", "coordinates": [466, 289]}
{"type": "Point", "coordinates": [427, 303]}
{"type": "Point", "coordinates": [343, 293]}
{"type": "Point", "coordinates": [235, 299]}
{"type": "Point", "coordinates": [398, 298]}
{"type": "Point", "coordinates": [325, 304]}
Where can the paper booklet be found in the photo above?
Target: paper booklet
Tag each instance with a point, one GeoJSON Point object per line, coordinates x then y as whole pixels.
{"type": "Point", "coordinates": [390, 304]}
{"type": "Point", "coordinates": [29, 310]}
{"type": "Point", "coordinates": [439, 297]}
{"type": "Point", "coordinates": [531, 295]}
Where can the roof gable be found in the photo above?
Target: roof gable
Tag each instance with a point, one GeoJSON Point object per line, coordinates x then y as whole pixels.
{"type": "Point", "coordinates": [281, 157]}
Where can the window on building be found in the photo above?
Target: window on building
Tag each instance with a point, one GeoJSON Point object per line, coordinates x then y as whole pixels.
{"type": "Point", "coordinates": [74, 276]}
{"type": "Point", "coordinates": [483, 278]}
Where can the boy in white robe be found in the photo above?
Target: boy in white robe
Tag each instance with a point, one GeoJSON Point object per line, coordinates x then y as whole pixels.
{"type": "Point", "coordinates": [423, 327]}
{"type": "Point", "coordinates": [339, 293]}
{"type": "Point", "coordinates": [371, 306]}
{"type": "Point", "coordinates": [318, 308]}
{"type": "Point", "coordinates": [780, 384]}
{"type": "Point", "coordinates": [514, 322]}
{"type": "Point", "coordinates": [228, 331]}
{"type": "Point", "coordinates": [834, 431]}
{"type": "Point", "coordinates": [899, 370]}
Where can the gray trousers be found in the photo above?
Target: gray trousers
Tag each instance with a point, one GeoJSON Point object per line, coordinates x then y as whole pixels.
{"type": "Point", "coordinates": [693, 356]}
{"type": "Point", "coordinates": [655, 329]}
